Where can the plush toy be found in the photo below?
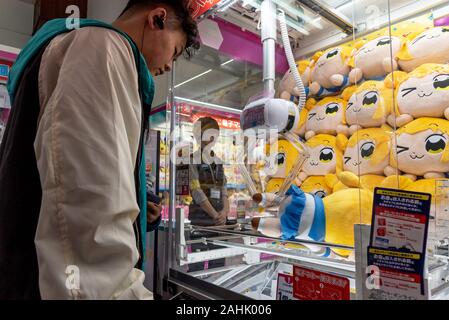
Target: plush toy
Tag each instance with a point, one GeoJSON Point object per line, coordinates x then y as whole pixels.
{"type": "Point", "coordinates": [287, 86]}
{"type": "Point", "coordinates": [430, 46]}
{"type": "Point", "coordinates": [300, 130]}
{"type": "Point", "coordinates": [422, 149]}
{"type": "Point", "coordinates": [330, 71]}
{"type": "Point", "coordinates": [373, 60]}
{"type": "Point", "coordinates": [281, 156]}
{"type": "Point", "coordinates": [369, 105]}
{"type": "Point", "coordinates": [326, 116]}
{"type": "Point", "coordinates": [365, 158]}
{"type": "Point", "coordinates": [367, 152]}
{"type": "Point", "coordinates": [422, 93]}
{"type": "Point", "coordinates": [325, 156]}
{"type": "Point", "coordinates": [306, 217]}
{"type": "Point", "coordinates": [331, 219]}
{"type": "Point", "coordinates": [320, 186]}
{"type": "Point", "coordinates": [274, 184]}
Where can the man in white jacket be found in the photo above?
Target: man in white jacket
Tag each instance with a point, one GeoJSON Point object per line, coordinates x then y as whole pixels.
{"type": "Point", "coordinates": [71, 200]}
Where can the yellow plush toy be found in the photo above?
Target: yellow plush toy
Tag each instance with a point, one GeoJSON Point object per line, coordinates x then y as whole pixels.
{"type": "Point", "coordinates": [326, 116]}
{"type": "Point", "coordinates": [330, 70]}
{"type": "Point", "coordinates": [326, 156]}
{"type": "Point", "coordinates": [320, 186]}
{"type": "Point", "coordinates": [287, 86]}
{"type": "Point", "coordinates": [369, 105]}
{"type": "Point", "coordinates": [366, 157]}
{"type": "Point", "coordinates": [300, 130]}
{"type": "Point", "coordinates": [373, 59]}
{"type": "Point", "coordinates": [430, 46]}
{"type": "Point", "coordinates": [422, 93]}
{"type": "Point", "coordinates": [422, 149]}
{"type": "Point", "coordinates": [274, 184]}
{"type": "Point", "coordinates": [303, 216]}
{"type": "Point", "coordinates": [281, 156]}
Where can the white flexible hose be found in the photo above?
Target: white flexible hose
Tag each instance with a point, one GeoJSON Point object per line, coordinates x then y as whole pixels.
{"type": "Point", "coordinates": [291, 60]}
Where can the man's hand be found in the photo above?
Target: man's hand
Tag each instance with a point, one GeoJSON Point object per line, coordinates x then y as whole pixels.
{"type": "Point", "coordinates": [220, 220]}
{"type": "Point", "coordinates": [153, 212]}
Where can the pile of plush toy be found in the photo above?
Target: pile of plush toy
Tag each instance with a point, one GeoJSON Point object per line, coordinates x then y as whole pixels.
{"type": "Point", "coordinates": [370, 121]}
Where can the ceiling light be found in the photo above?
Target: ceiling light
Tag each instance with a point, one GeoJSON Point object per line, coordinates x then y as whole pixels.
{"type": "Point", "coordinates": [227, 62]}
{"type": "Point", "coordinates": [193, 78]}
{"type": "Point", "coordinates": [213, 106]}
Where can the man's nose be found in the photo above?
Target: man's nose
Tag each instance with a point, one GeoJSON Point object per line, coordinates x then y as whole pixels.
{"type": "Point", "coordinates": [167, 67]}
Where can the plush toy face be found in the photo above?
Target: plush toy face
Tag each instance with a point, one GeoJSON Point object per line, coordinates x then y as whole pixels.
{"type": "Point", "coordinates": [431, 46]}
{"type": "Point", "coordinates": [422, 152]}
{"type": "Point", "coordinates": [367, 152]}
{"type": "Point", "coordinates": [316, 185]}
{"type": "Point", "coordinates": [281, 160]}
{"type": "Point", "coordinates": [323, 156]}
{"type": "Point", "coordinates": [371, 56]}
{"type": "Point", "coordinates": [426, 96]}
{"type": "Point", "coordinates": [322, 161]}
{"type": "Point", "coordinates": [362, 108]}
{"type": "Point", "coordinates": [326, 116]}
{"type": "Point", "coordinates": [330, 63]}
{"type": "Point", "coordinates": [288, 81]}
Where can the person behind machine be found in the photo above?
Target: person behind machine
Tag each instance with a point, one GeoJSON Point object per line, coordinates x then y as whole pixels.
{"type": "Point", "coordinates": [207, 179]}
{"type": "Point", "coordinates": [210, 205]}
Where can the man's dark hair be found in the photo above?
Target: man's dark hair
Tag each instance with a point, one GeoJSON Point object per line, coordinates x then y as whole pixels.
{"type": "Point", "coordinates": [183, 14]}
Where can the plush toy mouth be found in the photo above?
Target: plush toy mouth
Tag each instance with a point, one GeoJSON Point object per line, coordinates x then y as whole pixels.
{"type": "Point", "coordinates": [356, 164]}
{"type": "Point", "coordinates": [357, 110]}
{"type": "Point", "coordinates": [320, 119]}
{"type": "Point", "coordinates": [423, 95]}
{"type": "Point", "coordinates": [322, 64]}
{"type": "Point", "coordinates": [314, 164]}
{"type": "Point", "coordinates": [414, 157]}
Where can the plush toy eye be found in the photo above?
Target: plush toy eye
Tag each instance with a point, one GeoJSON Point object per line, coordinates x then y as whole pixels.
{"type": "Point", "coordinates": [332, 54]}
{"type": "Point", "coordinates": [280, 159]}
{"type": "Point", "coordinates": [367, 150]}
{"type": "Point", "coordinates": [370, 99]}
{"type": "Point", "coordinates": [445, 30]}
{"type": "Point", "coordinates": [320, 194]}
{"type": "Point", "coordinates": [435, 144]}
{"type": "Point", "coordinates": [326, 155]}
{"type": "Point", "coordinates": [441, 82]}
{"type": "Point", "coordinates": [419, 38]}
{"type": "Point", "coordinates": [332, 108]}
{"type": "Point", "coordinates": [383, 42]}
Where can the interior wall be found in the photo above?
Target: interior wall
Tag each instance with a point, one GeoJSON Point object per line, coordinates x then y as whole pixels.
{"type": "Point", "coordinates": [105, 10]}
{"type": "Point", "coordinates": [16, 22]}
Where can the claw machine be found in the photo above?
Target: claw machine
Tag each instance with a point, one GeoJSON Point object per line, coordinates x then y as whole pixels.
{"type": "Point", "coordinates": [340, 152]}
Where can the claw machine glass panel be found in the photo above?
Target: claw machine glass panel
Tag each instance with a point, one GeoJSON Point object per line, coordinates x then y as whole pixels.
{"type": "Point", "coordinates": [273, 191]}
{"type": "Point", "coordinates": [7, 57]}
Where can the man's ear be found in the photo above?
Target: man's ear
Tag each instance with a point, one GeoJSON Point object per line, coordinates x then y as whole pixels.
{"type": "Point", "coordinates": [156, 18]}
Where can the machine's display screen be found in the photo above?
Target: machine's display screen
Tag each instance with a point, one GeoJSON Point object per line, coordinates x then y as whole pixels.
{"type": "Point", "coordinates": [253, 117]}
